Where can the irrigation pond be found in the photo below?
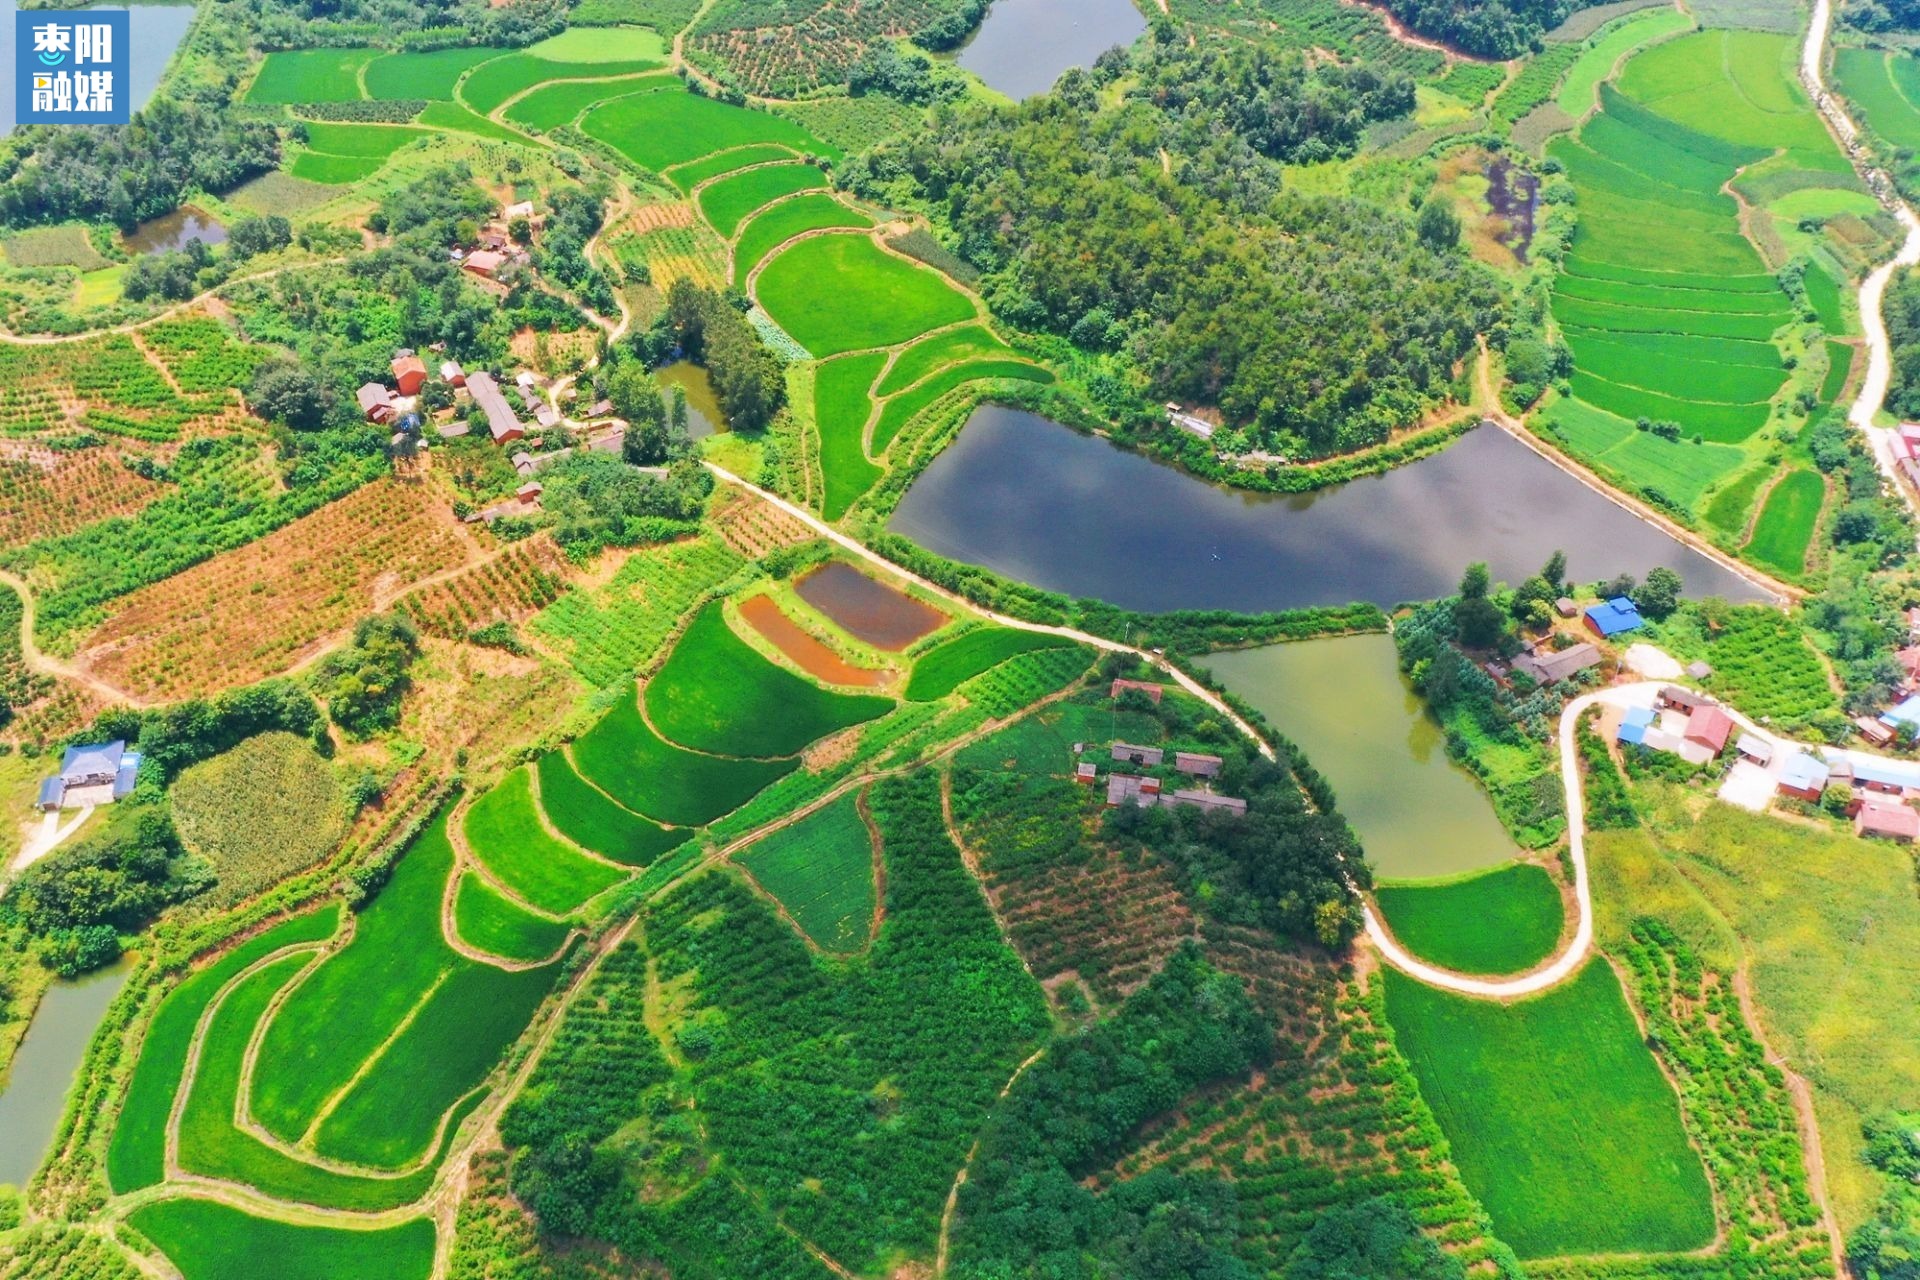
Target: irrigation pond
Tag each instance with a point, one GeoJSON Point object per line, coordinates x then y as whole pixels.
{"type": "Point", "coordinates": [1023, 46]}
{"type": "Point", "coordinates": [35, 1091]}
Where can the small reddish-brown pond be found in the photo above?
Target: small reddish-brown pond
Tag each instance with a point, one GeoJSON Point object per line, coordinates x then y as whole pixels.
{"type": "Point", "coordinates": [869, 610]}
{"type": "Point", "coordinates": [807, 653]}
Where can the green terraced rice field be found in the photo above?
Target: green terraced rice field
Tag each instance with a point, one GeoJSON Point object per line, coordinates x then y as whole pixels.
{"type": "Point", "coordinates": [821, 870]}
{"type": "Point", "coordinates": [717, 694]}
{"type": "Point", "coordinates": [1560, 1121]}
{"type": "Point", "coordinates": [498, 927]}
{"type": "Point", "coordinates": [841, 405]}
{"type": "Point", "coordinates": [209, 1241]}
{"type": "Point", "coordinates": [628, 761]}
{"type": "Point", "coordinates": [1739, 86]}
{"type": "Point", "coordinates": [945, 667]}
{"type": "Point", "coordinates": [1730, 506]}
{"type": "Point", "coordinates": [782, 223]}
{"type": "Point", "coordinates": [1502, 921]}
{"type": "Point", "coordinates": [1839, 366]}
{"type": "Point", "coordinates": [657, 130]}
{"type": "Point", "coordinates": [1786, 523]}
{"type": "Point", "coordinates": [1865, 77]}
{"type": "Point", "coordinates": [903, 408]}
{"type": "Point", "coordinates": [553, 105]}
{"type": "Point", "coordinates": [690, 175]}
{"type": "Point", "coordinates": [504, 832]}
{"type": "Point", "coordinates": [429, 75]}
{"type": "Point", "coordinates": [136, 1155]}
{"type": "Point", "coordinates": [1578, 91]}
{"type": "Point", "coordinates": [311, 75]}
{"type": "Point", "coordinates": [505, 78]}
{"type": "Point", "coordinates": [876, 299]}
{"type": "Point", "coordinates": [451, 115]}
{"type": "Point", "coordinates": [602, 44]}
{"type": "Point", "coordinates": [592, 820]}
{"type": "Point", "coordinates": [338, 171]}
{"type": "Point", "coordinates": [727, 202]}
{"type": "Point", "coordinates": [935, 353]}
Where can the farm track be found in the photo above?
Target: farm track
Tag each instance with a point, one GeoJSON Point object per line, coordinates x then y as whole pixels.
{"type": "Point", "coordinates": [48, 665]}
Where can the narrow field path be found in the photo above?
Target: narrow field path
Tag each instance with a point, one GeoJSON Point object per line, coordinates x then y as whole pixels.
{"type": "Point", "coordinates": [960, 1178]}
{"type": "Point", "coordinates": [48, 665]}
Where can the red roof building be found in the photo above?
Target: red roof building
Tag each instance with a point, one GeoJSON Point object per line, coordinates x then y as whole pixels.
{"type": "Point", "coordinates": [1152, 691]}
{"type": "Point", "coordinates": [1710, 726]}
{"type": "Point", "coordinates": [376, 402]}
{"type": "Point", "coordinates": [483, 262]}
{"type": "Point", "coordinates": [410, 374]}
{"type": "Point", "coordinates": [1887, 822]}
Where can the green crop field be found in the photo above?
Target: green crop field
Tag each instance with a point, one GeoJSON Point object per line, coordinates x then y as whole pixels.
{"type": "Point", "coordinates": [945, 667]}
{"type": "Point", "coordinates": [1839, 367]}
{"type": "Point", "coordinates": [1506, 920]}
{"type": "Point", "coordinates": [1823, 292]}
{"type": "Point", "coordinates": [1865, 77]}
{"type": "Point", "coordinates": [311, 75]}
{"type": "Point", "coordinates": [1785, 527]}
{"type": "Point", "coordinates": [1726, 423]}
{"type": "Point", "coordinates": [429, 75]}
{"type": "Point", "coordinates": [553, 105]}
{"type": "Point", "coordinates": [1740, 86]}
{"type": "Point", "coordinates": [821, 870]}
{"type": "Point", "coordinates": [841, 405]}
{"type": "Point", "coordinates": [691, 174]}
{"type": "Point", "coordinates": [783, 222]}
{"type": "Point", "coordinates": [451, 115]}
{"type": "Point", "coordinates": [337, 171]}
{"type": "Point", "coordinates": [1558, 1116]}
{"type": "Point", "coordinates": [602, 44]}
{"type": "Point", "coordinates": [209, 1241]}
{"type": "Point", "coordinates": [259, 812]}
{"type": "Point", "coordinates": [589, 819]}
{"type": "Point", "coordinates": [904, 407]}
{"type": "Point", "coordinates": [1731, 505]}
{"type": "Point", "coordinates": [628, 761]}
{"type": "Point", "coordinates": [1578, 90]}
{"type": "Point", "coordinates": [656, 130]}
{"type": "Point", "coordinates": [933, 354]}
{"type": "Point", "coordinates": [136, 1156]}
{"type": "Point", "coordinates": [498, 927]}
{"type": "Point", "coordinates": [716, 694]}
{"type": "Point", "coordinates": [726, 202]}
{"type": "Point", "coordinates": [498, 81]}
{"type": "Point", "coordinates": [368, 140]}
{"type": "Point", "coordinates": [876, 299]}
{"type": "Point", "coordinates": [1642, 295]}
{"type": "Point", "coordinates": [504, 831]}
{"type": "Point", "coordinates": [1763, 665]}
{"type": "Point", "coordinates": [1635, 359]}
{"type": "Point", "coordinates": [67, 246]}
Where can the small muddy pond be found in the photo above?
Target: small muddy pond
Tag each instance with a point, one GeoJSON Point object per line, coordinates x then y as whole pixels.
{"type": "Point", "coordinates": [175, 231]}
{"type": "Point", "coordinates": [1344, 701]}
{"type": "Point", "coordinates": [1514, 196]}
{"type": "Point", "coordinates": [156, 30]}
{"type": "Point", "coordinates": [1074, 513]}
{"type": "Point", "coordinates": [1023, 46]}
{"type": "Point", "coordinates": [35, 1092]}
{"type": "Point", "coordinates": [807, 653]}
{"type": "Point", "coordinates": [867, 609]}
{"type": "Point", "coordinates": [704, 417]}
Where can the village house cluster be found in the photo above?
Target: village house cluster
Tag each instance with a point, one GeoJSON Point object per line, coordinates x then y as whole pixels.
{"type": "Point", "coordinates": [1145, 791]}
{"type": "Point", "coordinates": [493, 249]}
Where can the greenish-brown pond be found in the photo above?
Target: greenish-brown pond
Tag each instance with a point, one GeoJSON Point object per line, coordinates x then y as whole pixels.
{"type": "Point", "coordinates": [704, 416]}
{"type": "Point", "coordinates": [35, 1093]}
{"type": "Point", "coordinates": [1345, 703]}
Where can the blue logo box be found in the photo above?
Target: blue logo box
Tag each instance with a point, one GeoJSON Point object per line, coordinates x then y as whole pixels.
{"type": "Point", "coordinates": [70, 66]}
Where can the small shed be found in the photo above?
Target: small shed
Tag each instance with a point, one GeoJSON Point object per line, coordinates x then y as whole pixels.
{"type": "Point", "coordinates": [1207, 802]}
{"type": "Point", "coordinates": [1085, 772]}
{"type": "Point", "coordinates": [1681, 699]}
{"type": "Point", "coordinates": [452, 374]}
{"type": "Point", "coordinates": [1873, 731]}
{"type": "Point", "coordinates": [1547, 667]}
{"type": "Point", "coordinates": [1566, 608]}
{"type": "Point", "coordinates": [1134, 754]}
{"type": "Point", "coordinates": [1194, 764]}
{"type": "Point", "coordinates": [1887, 822]}
{"type": "Point", "coordinates": [483, 262]}
{"type": "Point", "coordinates": [1153, 691]}
{"type": "Point", "coordinates": [529, 492]}
{"type": "Point", "coordinates": [1613, 617]}
{"type": "Point", "coordinates": [1127, 788]}
{"type": "Point", "coordinates": [1698, 671]}
{"type": "Point", "coordinates": [1634, 726]}
{"type": "Point", "coordinates": [523, 209]}
{"type": "Point", "coordinates": [1754, 748]}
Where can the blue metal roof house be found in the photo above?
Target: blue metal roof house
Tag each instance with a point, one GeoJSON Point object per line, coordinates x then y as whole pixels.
{"type": "Point", "coordinates": [1634, 726]}
{"type": "Point", "coordinates": [1613, 617]}
{"type": "Point", "coordinates": [106, 770]}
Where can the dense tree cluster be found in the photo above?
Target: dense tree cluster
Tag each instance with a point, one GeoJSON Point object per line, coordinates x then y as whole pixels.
{"type": "Point", "coordinates": [364, 683]}
{"type": "Point", "coordinates": [79, 899]}
{"type": "Point", "coordinates": [412, 24]}
{"type": "Point", "coordinates": [1882, 15]}
{"type": "Point", "coordinates": [1901, 309]}
{"type": "Point", "coordinates": [1322, 324]}
{"type": "Point", "coordinates": [575, 219]}
{"type": "Point", "coordinates": [443, 209]}
{"type": "Point", "coordinates": [594, 500]}
{"type": "Point", "coordinates": [1488, 28]}
{"type": "Point", "coordinates": [1375, 1239]}
{"type": "Point", "coordinates": [904, 74]}
{"type": "Point", "coordinates": [708, 329]}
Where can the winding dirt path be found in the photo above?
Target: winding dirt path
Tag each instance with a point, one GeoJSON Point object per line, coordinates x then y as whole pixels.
{"type": "Point", "coordinates": [48, 665]}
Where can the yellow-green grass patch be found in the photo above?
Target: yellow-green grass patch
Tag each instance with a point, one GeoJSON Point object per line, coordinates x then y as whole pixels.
{"type": "Point", "coordinates": [783, 222]}
{"type": "Point", "coordinates": [1786, 523]}
{"type": "Point", "coordinates": [727, 202]}
{"type": "Point", "coordinates": [504, 832]}
{"type": "Point", "coordinates": [1865, 78]}
{"type": "Point", "coordinates": [1559, 1119]}
{"type": "Point", "coordinates": [593, 821]}
{"type": "Point", "coordinates": [454, 116]}
{"type": "Point", "coordinates": [380, 140]}
{"type": "Point", "coordinates": [1730, 506]}
{"type": "Point", "coordinates": [1596, 62]}
{"type": "Point", "coordinates": [602, 44]}
{"type": "Point", "coordinates": [821, 870]}
{"type": "Point", "coordinates": [1740, 86]}
{"type": "Point", "coordinates": [717, 694]}
{"type": "Point", "coordinates": [67, 246]}
{"type": "Point", "coordinates": [100, 288]}
{"type": "Point", "coordinates": [631, 763]}
{"type": "Point", "coordinates": [656, 130]}
{"type": "Point", "coordinates": [875, 300]}
{"type": "Point", "coordinates": [136, 1154]}
{"type": "Point", "coordinates": [489, 922]}
{"type": "Point", "coordinates": [207, 1240]}
{"type": "Point", "coordinates": [1839, 367]}
{"type": "Point", "coordinates": [1506, 920]}
{"type": "Point", "coordinates": [310, 75]}
{"type": "Point", "coordinates": [841, 406]}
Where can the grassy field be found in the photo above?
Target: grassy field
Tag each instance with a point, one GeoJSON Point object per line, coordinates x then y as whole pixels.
{"type": "Point", "coordinates": [1579, 91]}
{"type": "Point", "coordinates": [1839, 369]}
{"type": "Point", "coordinates": [1559, 1118]}
{"type": "Point", "coordinates": [877, 299]}
{"type": "Point", "coordinates": [602, 44]}
{"type": "Point", "coordinates": [841, 405]}
{"type": "Point", "coordinates": [504, 831]}
{"type": "Point", "coordinates": [1506, 920]}
{"type": "Point", "coordinates": [259, 812]}
{"type": "Point", "coordinates": [945, 667]}
{"type": "Point", "coordinates": [589, 819]}
{"type": "Point", "coordinates": [716, 694]}
{"type": "Point", "coordinates": [310, 75]}
{"type": "Point", "coordinates": [498, 927]}
{"type": "Point", "coordinates": [136, 1154]}
{"type": "Point", "coordinates": [789, 218]}
{"type": "Point", "coordinates": [1865, 77]}
{"type": "Point", "coordinates": [1740, 86]}
{"type": "Point", "coordinates": [429, 75]}
{"type": "Point", "coordinates": [821, 870]}
{"type": "Point", "coordinates": [903, 408]}
{"type": "Point", "coordinates": [656, 130]}
{"type": "Point", "coordinates": [493, 84]}
{"type": "Point", "coordinates": [936, 353]}
{"type": "Point", "coordinates": [629, 762]}
{"type": "Point", "coordinates": [726, 203]}
{"type": "Point", "coordinates": [67, 246]}
{"type": "Point", "coordinates": [1785, 527]}
{"type": "Point", "coordinates": [209, 1241]}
